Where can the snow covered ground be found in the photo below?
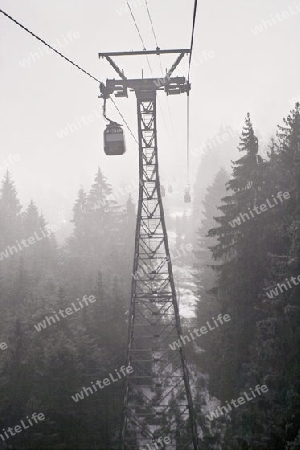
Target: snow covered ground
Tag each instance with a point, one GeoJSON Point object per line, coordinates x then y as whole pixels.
{"type": "Point", "coordinates": [184, 282]}
{"type": "Point", "coordinates": [185, 287]}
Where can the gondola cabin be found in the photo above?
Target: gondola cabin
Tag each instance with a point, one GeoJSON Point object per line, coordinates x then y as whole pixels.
{"type": "Point", "coordinates": [187, 196]}
{"type": "Point", "coordinates": [114, 142]}
{"type": "Point", "coordinates": [162, 191]}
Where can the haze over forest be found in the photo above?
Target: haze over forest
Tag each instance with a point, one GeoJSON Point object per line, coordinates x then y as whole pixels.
{"type": "Point", "coordinates": [71, 291]}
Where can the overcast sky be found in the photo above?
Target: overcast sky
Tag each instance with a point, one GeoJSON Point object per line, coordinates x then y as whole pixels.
{"type": "Point", "coordinates": [234, 71]}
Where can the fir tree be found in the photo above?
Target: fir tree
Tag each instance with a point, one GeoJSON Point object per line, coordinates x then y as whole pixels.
{"type": "Point", "coordinates": [206, 277]}
{"type": "Point", "coordinates": [9, 211]}
{"type": "Point", "coordinates": [240, 257]}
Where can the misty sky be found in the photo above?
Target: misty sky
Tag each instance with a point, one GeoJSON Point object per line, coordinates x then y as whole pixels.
{"type": "Point", "coordinates": [251, 72]}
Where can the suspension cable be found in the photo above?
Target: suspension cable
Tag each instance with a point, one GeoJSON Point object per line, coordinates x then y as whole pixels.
{"type": "Point", "coordinates": [154, 35]}
{"type": "Point", "coordinates": [188, 98]}
{"type": "Point", "coordinates": [47, 45]}
{"type": "Point", "coordinates": [68, 60]}
{"type": "Point", "coordinates": [139, 33]}
{"type": "Point", "coordinates": [122, 117]}
{"type": "Point", "coordinates": [136, 25]}
{"type": "Point", "coordinates": [192, 38]}
{"type": "Point", "coordinates": [148, 62]}
{"type": "Point", "coordinates": [161, 68]}
{"type": "Point", "coordinates": [188, 141]}
{"type": "Point", "coordinates": [150, 68]}
{"type": "Point", "coordinates": [151, 22]}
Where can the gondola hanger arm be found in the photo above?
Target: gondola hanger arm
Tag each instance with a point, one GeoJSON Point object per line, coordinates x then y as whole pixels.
{"type": "Point", "coordinates": [114, 66]}
{"type": "Point", "coordinates": [169, 73]}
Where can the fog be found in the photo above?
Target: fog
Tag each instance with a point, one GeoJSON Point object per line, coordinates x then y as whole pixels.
{"type": "Point", "coordinates": [177, 259]}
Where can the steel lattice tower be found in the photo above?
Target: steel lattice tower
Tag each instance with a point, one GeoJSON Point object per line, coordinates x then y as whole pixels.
{"type": "Point", "coordinates": [157, 401]}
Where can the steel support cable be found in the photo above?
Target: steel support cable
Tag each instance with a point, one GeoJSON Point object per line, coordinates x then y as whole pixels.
{"type": "Point", "coordinates": [160, 63]}
{"type": "Point", "coordinates": [192, 38]}
{"type": "Point", "coordinates": [139, 33]}
{"type": "Point", "coordinates": [47, 45]}
{"type": "Point", "coordinates": [136, 25]}
{"type": "Point", "coordinates": [150, 68]}
{"type": "Point", "coordinates": [68, 60]}
{"type": "Point", "coordinates": [188, 96]}
{"type": "Point", "coordinates": [122, 117]}
{"type": "Point", "coordinates": [154, 34]}
{"type": "Point", "coordinates": [188, 141]}
{"type": "Point", "coordinates": [151, 22]}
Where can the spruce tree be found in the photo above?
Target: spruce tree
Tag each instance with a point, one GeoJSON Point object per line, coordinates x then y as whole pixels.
{"type": "Point", "coordinates": [10, 209]}
{"type": "Point", "coordinates": [240, 258]}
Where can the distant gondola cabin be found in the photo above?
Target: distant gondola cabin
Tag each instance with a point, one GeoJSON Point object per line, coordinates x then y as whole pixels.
{"type": "Point", "coordinates": [187, 196]}
{"type": "Point", "coordinates": [114, 142]}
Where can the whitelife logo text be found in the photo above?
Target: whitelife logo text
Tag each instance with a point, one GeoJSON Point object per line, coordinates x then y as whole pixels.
{"type": "Point", "coordinates": [18, 428]}
{"type": "Point", "coordinates": [24, 243]}
{"type": "Point", "coordinates": [221, 410]}
{"type": "Point", "coordinates": [68, 311]}
{"type": "Point", "coordinates": [279, 17]}
{"type": "Point", "coordinates": [42, 52]}
{"type": "Point", "coordinates": [86, 391]}
{"type": "Point", "coordinates": [259, 209]}
{"type": "Point", "coordinates": [199, 332]}
{"type": "Point", "coordinates": [274, 292]}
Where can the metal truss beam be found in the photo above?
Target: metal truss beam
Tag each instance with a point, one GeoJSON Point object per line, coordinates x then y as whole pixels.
{"type": "Point", "coordinates": [158, 401]}
{"type": "Point", "coordinates": [158, 51]}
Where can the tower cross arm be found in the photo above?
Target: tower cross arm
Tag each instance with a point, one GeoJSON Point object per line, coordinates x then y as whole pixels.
{"type": "Point", "coordinates": [158, 51]}
{"type": "Point", "coordinates": [148, 84]}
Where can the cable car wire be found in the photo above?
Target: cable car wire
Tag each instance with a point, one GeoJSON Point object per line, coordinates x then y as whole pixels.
{"type": "Point", "coordinates": [188, 97]}
{"type": "Point", "coordinates": [121, 115]}
{"type": "Point", "coordinates": [192, 38]}
{"type": "Point", "coordinates": [151, 22]}
{"type": "Point", "coordinates": [188, 141]}
{"type": "Point", "coordinates": [150, 68]}
{"type": "Point", "coordinates": [161, 68]}
{"type": "Point", "coordinates": [136, 25]}
{"type": "Point", "coordinates": [139, 33]}
{"type": "Point", "coordinates": [68, 60]}
{"type": "Point", "coordinates": [189, 70]}
{"type": "Point", "coordinates": [154, 34]}
{"type": "Point", "coordinates": [47, 45]}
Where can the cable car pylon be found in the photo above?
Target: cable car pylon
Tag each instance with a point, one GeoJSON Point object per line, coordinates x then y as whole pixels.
{"type": "Point", "coordinates": [157, 402]}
